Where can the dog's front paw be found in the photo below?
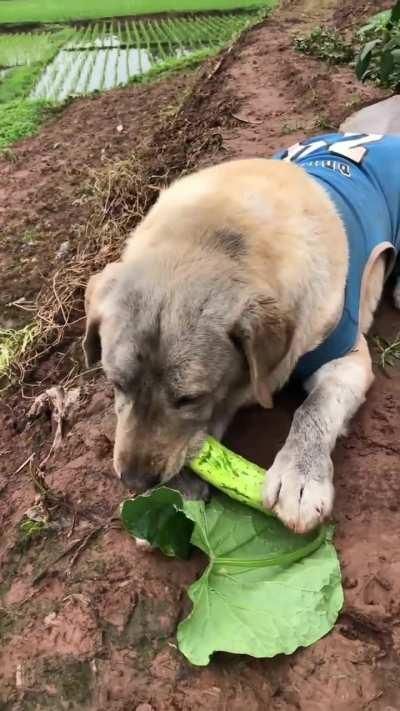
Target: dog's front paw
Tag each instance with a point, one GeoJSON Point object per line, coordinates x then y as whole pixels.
{"type": "Point", "coordinates": [299, 488]}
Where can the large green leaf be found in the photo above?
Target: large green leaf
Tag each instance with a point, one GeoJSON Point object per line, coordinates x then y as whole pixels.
{"type": "Point", "coordinates": [386, 66]}
{"type": "Point", "coordinates": [265, 591]}
{"type": "Point", "coordinates": [395, 13]}
{"type": "Point", "coordinates": [158, 518]}
{"type": "Point", "coordinates": [364, 58]}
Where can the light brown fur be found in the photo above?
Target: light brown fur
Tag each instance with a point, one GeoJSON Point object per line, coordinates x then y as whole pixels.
{"type": "Point", "coordinates": [267, 238]}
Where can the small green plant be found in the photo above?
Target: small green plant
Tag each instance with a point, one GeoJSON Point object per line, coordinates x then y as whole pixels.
{"type": "Point", "coordinates": [31, 529]}
{"type": "Point", "coordinates": [389, 353]}
{"type": "Point", "coordinates": [326, 44]}
{"type": "Point", "coordinates": [379, 58]}
{"type": "Point", "coordinates": [30, 237]}
{"type": "Point", "coordinates": [30, 53]}
{"type": "Point", "coordinates": [322, 123]}
{"type": "Point", "coordinates": [13, 344]}
{"type": "Point", "coordinates": [21, 118]}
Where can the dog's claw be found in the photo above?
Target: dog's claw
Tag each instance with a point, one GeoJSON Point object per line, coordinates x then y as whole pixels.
{"type": "Point", "coordinates": [301, 497]}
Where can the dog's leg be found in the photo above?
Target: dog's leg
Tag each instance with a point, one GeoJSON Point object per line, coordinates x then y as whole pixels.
{"type": "Point", "coordinates": [299, 484]}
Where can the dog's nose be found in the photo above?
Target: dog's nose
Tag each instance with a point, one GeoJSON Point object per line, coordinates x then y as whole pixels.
{"type": "Point", "coordinates": [139, 482]}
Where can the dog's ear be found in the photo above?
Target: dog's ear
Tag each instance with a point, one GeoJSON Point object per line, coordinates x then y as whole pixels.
{"type": "Point", "coordinates": [264, 334]}
{"type": "Point", "coordinates": [97, 288]}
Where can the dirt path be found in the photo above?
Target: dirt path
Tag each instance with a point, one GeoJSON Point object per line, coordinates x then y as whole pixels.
{"type": "Point", "coordinates": [95, 629]}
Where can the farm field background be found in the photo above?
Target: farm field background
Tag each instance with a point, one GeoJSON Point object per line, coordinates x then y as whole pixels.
{"type": "Point", "coordinates": [48, 64]}
{"type": "Point", "coordinates": [103, 55]}
{"type": "Point", "coordinates": [20, 11]}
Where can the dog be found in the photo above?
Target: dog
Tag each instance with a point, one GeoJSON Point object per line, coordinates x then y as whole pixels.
{"type": "Point", "coordinates": [241, 277]}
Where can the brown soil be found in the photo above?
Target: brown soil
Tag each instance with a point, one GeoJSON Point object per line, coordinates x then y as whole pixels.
{"type": "Point", "coordinates": [45, 181]}
{"type": "Point", "coordinates": [94, 629]}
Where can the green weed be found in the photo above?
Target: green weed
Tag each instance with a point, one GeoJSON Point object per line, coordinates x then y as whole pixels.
{"type": "Point", "coordinates": [389, 353]}
{"type": "Point", "coordinates": [323, 123]}
{"type": "Point", "coordinates": [27, 63]}
{"type": "Point", "coordinates": [326, 44]}
{"type": "Point", "coordinates": [30, 237]}
{"type": "Point", "coordinates": [375, 47]}
{"type": "Point", "coordinates": [30, 529]}
{"type": "Point", "coordinates": [173, 65]}
{"type": "Point", "coordinates": [19, 119]}
{"type": "Point", "coordinates": [13, 344]}
{"type": "Point", "coordinates": [379, 58]}
{"type": "Point", "coordinates": [23, 48]}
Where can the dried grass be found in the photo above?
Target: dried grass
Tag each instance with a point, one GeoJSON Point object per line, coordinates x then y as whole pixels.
{"type": "Point", "coordinates": [120, 195]}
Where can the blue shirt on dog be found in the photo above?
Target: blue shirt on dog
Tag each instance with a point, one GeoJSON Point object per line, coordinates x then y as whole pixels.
{"type": "Point", "coordinates": [361, 174]}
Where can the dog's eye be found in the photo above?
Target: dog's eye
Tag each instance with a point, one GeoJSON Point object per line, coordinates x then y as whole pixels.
{"type": "Point", "coordinates": [237, 343]}
{"type": "Point", "coordinates": [185, 400]}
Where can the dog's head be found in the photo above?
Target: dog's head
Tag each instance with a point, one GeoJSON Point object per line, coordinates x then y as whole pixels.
{"type": "Point", "coordinates": [178, 349]}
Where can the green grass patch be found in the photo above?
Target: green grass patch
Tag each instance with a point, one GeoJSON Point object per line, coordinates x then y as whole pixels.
{"type": "Point", "coordinates": [18, 83]}
{"type": "Point", "coordinates": [174, 65]}
{"type": "Point", "coordinates": [379, 58]}
{"type": "Point", "coordinates": [59, 11]}
{"type": "Point", "coordinates": [326, 44]}
{"type": "Point", "coordinates": [374, 48]}
{"type": "Point", "coordinates": [19, 119]}
{"type": "Point", "coordinates": [30, 529]}
{"type": "Point", "coordinates": [23, 48]}
{"type": "Point", "coordinates": [13, 344]}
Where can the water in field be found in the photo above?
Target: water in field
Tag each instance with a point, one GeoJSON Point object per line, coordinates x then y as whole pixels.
{"type": "Point", "coordinates": [103, 55]}
{"type": "Point", "coordinates": [109, 62]}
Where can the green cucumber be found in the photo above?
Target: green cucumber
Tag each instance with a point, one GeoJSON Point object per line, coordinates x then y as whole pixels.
{"type": "Point", "coordinates": [230, 473]}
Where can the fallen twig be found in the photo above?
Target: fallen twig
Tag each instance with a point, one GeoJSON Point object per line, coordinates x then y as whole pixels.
{"type": "Point", "coordinates": [82, 547]}
{"type": "Point", "coordinates": [220, 62]}
{"type": "Point", "coordinates": [24, 464]}
{"type": "Point", "coordinates": [245, 120]}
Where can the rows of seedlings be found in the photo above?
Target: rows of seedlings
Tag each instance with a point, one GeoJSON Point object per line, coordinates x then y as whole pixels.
{"type": "Point", "coordinates": [103, 55]}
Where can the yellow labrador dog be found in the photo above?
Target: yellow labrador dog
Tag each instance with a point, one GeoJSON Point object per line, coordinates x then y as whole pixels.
{"type": "Point", "coordinates": [241, 277]}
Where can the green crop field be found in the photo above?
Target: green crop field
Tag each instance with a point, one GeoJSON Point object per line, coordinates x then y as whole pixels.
{"type": "Point", "coordinates": [39, 70]}
{"type": "Point", "coordinates": [18, 49]}
{"type": "Point", "coordinates": [19, 11]}
{"type": "Point", "coordinates": [104, 55]}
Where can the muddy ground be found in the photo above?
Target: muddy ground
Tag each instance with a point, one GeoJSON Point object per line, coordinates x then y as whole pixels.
{"type": "Point", "coordinates": [87, 619]}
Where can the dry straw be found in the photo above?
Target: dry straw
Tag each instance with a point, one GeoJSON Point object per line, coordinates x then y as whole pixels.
{"type": "Point", "coordinates": [120, 194]}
